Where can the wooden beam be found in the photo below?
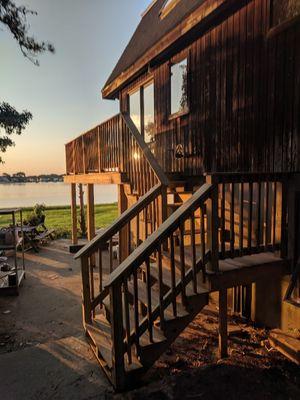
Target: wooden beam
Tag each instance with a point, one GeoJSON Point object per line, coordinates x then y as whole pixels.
{"type": "Point", "coordinates": [104, 178]}
{"type": "Point", "coordinates": [90, 212]}
{"type": "Point", "coordinates": [223, 331]}
{"type": "Point", "coordinates": [74, 214]}
{"type": "Point", "coordinates": [122, 206]}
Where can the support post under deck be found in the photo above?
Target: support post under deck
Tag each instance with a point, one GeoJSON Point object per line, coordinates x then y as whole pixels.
{"type": "Point", "coordinates": [223, 331]}
{"type": "Point", "coordinates": [74, 214]}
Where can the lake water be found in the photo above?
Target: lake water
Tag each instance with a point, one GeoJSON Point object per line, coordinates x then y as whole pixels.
{"type": "Point", "coordinates": [52, 194]}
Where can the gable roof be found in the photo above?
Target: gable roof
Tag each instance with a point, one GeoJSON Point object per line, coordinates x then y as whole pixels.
{"type": "Point", "coordinates": [151, 29]}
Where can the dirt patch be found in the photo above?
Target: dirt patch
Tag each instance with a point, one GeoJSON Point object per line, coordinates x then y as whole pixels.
{"type": "Point", "coordinates": [192, 370]}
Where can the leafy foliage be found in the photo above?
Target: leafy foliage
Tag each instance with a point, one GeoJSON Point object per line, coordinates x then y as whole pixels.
{"type": "Point", "coordinates": [12, 122]}
{"type": "Point", "coordinates": [15, 18]}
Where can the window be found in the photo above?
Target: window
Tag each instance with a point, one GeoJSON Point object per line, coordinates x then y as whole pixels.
{"type": "Point", "coordinates": [179, 87]}
{"type": "Point", "coordinates": [283, 10]}
{"type": "Point", "coordinates": [149, 130]}
{"type": "Point", "coordinates": [135, 109]}
{"type": "Point", "coordinates": [141, 110]}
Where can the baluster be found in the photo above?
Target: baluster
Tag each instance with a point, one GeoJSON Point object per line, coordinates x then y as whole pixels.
{"type": "Point", "coordinates": [223, 249]}
{"type": "Point", "coordinates": [241, 219]}
{"type": "Point", "coordinates": [283, 238]}
{"type": "Point", "coordinates": [182, 262]}
{"type": "Point", "coordinates": [100, 270]}
{"type": "Point", "coordinates": [267, 215]}
{"type": "Point", "coordinates": [110, 248]}
{"type": "Point", "coordinates": [136, 310]}
{"type": "Point", "coordinates": [137, 230]}
{"type": "Point", "coordinates": [92, 285]}
{"type": "Point", "coordinates": [129, 238]}
{"type": "Point", "coordinates": [160, 283]}
{"type": "Point", "coordinates": [194, 261]}
{"type": "Point", "coordinates": [87, 306]}
{"type": "Point", "coordinates": [146, 221]}
{"type": "Point", "coordinates": [258, 239]}
{"type": "Point", "coordinates": [149, 300]}
{"type": "Point", "coordinates": [274, 214]}
{"type": "Point", "coordinates": [117, 335]}
{"type": "Point", "coordinates": [173, 274]}
{"type": "Point", "coordinates": [202, 234]}
{"type": "Point", "coordinates": [232, 233]}
{"type": "Point", "coordinates": [250, 216]}
{"type": "Point", "coordinates": [127, 320]}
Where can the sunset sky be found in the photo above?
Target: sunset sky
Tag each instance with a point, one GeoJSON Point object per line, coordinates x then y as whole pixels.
{"type": "Point", "coordinates": [63, 94]}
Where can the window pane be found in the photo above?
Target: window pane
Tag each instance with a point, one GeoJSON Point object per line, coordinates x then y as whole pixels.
{"type": "Point", "coordinates": [284, 10]}
{"type": "Point", "coordinates": [149, 113]}
{"type": "Point", "coordinates": [179, 87]}
{"type": "Point", "coordinates": [135, 109]}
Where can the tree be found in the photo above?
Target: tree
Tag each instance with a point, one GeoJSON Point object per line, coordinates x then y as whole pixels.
{"type": "Point", "coordinates": [15, 19]}
{"type": "Point", "coordinates": [12, 122]}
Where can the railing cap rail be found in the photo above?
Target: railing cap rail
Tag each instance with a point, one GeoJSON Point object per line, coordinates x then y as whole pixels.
{"type": "Point", "coordinates": [91, 129]}
{"type": "Point", "coordinates": [149, 245]}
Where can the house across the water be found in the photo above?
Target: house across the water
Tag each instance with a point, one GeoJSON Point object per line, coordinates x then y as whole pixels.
{"type": "Point", "coordinates": [206, 155]}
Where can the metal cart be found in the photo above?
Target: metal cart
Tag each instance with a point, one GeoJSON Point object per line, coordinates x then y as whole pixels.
{"type": "Point", "coordinates": [11, 276]}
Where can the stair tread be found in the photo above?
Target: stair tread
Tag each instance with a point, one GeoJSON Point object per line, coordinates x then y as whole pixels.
{"type": "Point", "coordinates": [167, 278]}
{"type": "Point", "coordinates": [158, 336]}
{"type": "Point", "coordinates": [100, 333]}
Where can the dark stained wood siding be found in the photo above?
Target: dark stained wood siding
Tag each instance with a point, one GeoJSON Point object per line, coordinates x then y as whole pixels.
{"type": "Point", "coordinates": [244, 86]}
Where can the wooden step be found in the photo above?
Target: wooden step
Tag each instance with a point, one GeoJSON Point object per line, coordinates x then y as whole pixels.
{"type": "Point", "coordinates": [144, 339]}
{"type": "Point", "coordinates": [288, 344]}
{"type": "Point", "coordinates": [167, 277]}
{"type": "Point", "coordinates": [99, 332]}
{"type": "Point", "coordinates": [142, 295]}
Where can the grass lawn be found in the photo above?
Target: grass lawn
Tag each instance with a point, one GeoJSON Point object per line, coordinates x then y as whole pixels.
{"type": "Point", "coordinates": [59, 218]}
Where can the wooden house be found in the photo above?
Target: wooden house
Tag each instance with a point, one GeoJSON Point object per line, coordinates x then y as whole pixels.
{"type": "Point", "coordinates": [206, 155]}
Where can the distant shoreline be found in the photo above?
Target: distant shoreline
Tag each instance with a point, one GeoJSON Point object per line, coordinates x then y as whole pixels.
{"type": "Point", "coordinates": [20, 183]}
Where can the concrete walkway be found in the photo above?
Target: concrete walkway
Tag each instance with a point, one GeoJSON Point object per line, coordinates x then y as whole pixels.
{"type": "Point", "coordinates": [43, 353]}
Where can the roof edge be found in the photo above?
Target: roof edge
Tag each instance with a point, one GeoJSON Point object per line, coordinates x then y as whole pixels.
{"type": "Point", "coordinates": [199, 16]}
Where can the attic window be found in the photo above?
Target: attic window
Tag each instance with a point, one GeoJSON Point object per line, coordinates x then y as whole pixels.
{"type": "Point", "coordinates": [168, 7]}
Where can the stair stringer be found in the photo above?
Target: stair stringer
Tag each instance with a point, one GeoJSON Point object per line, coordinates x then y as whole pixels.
{"type": "Point", "coordinates": [172, 329]}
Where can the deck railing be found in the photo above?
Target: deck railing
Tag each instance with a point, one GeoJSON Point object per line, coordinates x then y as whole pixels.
{"type": "Point", "coordinates": [252, 212]}
{"type": "Point", "coordinates": [98, 150]}
{"type": "Point", "coordinates": [115, 146]}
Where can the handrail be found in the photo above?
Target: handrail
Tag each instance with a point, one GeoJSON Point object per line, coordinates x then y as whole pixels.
{"type": "Point", "coordinates": [120, 222]}
{"type": "Point", "coordinates": [161, 176]}
{"type": "Point", "coordinates": [150, 244]}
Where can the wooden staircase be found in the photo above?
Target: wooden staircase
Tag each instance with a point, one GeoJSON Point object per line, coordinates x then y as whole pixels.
{"type": "Point", "coordinates": [175, 247]}
{"type": "Point", "coordinates": [154, 338]}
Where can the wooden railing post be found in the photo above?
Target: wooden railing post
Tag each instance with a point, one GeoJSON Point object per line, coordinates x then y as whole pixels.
{"type": "Point", "coordinates": [163, 204]}
{"type": "Point", "coordinates": [74, 214]}
{"type": "Point", "coordinates": [213, 224]}
{"type": "Point", "coordinates": [86, 299]}
{"type": "Point", "coordinates": [284, 231]}
{"type": "Point", "coordinates": [74, 157]}
{"type": "Point", "coordinates": [116, 315]}
{"type": "Point", "coordinates": [99, 149]}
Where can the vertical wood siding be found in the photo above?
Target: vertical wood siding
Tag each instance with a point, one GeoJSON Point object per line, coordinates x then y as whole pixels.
{"type": "Point", "coordinates": [244, 86]}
